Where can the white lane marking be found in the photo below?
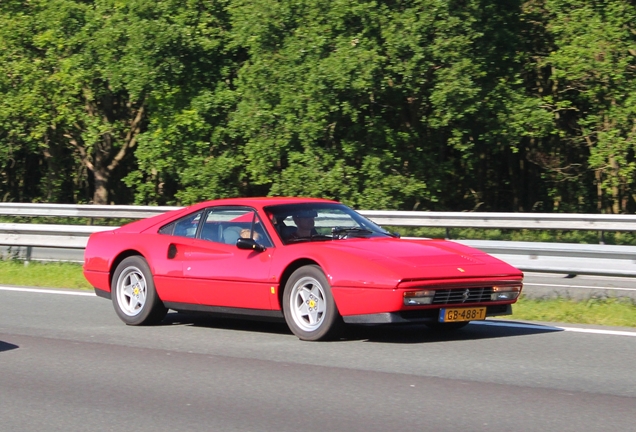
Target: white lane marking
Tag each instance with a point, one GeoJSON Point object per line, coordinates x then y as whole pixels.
{"type": "Point", "coordinates": [556, 328]}
{"type": "Point", "coordinates": [47, 291]}
{"type": "Point", "coordinates": [596, 331]}
{"type": "Point", "coordinates": [579, 286]}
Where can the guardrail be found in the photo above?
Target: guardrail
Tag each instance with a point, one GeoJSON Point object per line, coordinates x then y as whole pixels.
{"type": "Point", "coordinates": [82, 210]}
{"type": "Point", "coordinates": [546, 221]}
{"type": "Point", "coordinates": [564, 258]}
{"type": "Point", "coordinates": [606, 260]}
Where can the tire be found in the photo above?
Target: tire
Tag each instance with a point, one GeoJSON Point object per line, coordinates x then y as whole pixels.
{"type": "Point", "coordinates": [133, 293]}
{"type": "Point", "coordinates": [308, 305]}
{"type": "Point", "coordinates": [444, 327]}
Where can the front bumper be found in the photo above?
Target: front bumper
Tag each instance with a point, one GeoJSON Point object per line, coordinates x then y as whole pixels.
{"type": "Point", "coordinates": [416, 316]}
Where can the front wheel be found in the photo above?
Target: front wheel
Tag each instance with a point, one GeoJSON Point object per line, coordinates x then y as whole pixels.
{"type": "Point", "coordinates": [308, 305]}
{"type": "Point", "coordinates": [133, 293]}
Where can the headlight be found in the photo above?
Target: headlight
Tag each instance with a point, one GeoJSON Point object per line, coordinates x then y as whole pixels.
{"type": "Point", "coordinates": [417, 298]}
{"type": "Point", "coordinates": [503, 293]}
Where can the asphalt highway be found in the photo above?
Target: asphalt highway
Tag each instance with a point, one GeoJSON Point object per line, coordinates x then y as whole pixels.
{"type": "Point", "coordinates": [68, 364]}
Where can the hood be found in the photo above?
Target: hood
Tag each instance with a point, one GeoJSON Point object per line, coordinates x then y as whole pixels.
{"type": "Point", "coordinates": [424, 259]}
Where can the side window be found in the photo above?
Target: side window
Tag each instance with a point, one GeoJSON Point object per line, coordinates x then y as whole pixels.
{"type": "Point", "coordinates": [228, 224]}
{"type": "Point", "coordinates": [167, 229]}
{"type": "Point", "coordinates": [184, 227]}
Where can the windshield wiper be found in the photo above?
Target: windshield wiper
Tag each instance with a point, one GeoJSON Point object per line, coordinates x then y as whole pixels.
{"type": "Point", "coordinates": [342, 233]}
{"type": "Point", "coordinates": [313, 237]}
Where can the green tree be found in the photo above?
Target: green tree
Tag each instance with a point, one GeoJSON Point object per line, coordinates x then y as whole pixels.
{"type": "Point", "coordinates": [386, 105]}
{"type": "Point", "coordinates": [596, 63]}
{"type": "Point", "coordinates": [35, 165]}
{"type": "Point", "coordinates": [413, 104]}
{"type": "Point", "coordinates": [587, 72]}
{"type": "Point", "coordinates": [186, 154]}
{"type": "Point", "coordinates": [84, 75]}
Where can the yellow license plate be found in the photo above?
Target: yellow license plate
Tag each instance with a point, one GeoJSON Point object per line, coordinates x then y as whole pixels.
{"type": "Point", "coordinates": [462, 314]}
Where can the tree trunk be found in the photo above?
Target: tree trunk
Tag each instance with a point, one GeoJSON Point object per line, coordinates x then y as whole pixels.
{"type": "Point", "coordinates": [100, 196]}
{"type": "Point", "coordinates": [103, 157]}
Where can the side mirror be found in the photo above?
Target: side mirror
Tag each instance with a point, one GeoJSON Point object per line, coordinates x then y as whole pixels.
{"type": "Point", "coordinates": [249, 244]}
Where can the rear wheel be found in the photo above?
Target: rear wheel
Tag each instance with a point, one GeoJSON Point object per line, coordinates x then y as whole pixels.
{"type": "Point", "coordinates": [133, 293]}
{"type": "Point", "coordinates": [308, 305]}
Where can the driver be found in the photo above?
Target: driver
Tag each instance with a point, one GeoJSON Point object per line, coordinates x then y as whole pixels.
{"type": "Point", "coordinates": [304, 220]}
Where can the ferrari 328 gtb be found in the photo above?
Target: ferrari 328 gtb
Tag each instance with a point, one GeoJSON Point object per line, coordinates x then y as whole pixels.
{"type": "Point", "coordinates": [315, 263]}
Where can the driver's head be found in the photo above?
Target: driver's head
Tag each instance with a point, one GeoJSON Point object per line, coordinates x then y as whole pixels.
{"type": "Point", "coordinates": [304, 219]}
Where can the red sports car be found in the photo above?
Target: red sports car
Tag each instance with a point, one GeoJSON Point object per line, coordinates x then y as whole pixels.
{"type": "Point", "coordinates": [315, 263]}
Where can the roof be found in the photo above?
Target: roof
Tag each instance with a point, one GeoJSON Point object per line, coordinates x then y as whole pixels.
{"type": "Point", "coordinates": [259, 202]}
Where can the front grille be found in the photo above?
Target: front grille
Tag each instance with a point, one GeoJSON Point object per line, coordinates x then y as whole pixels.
{"type": "Point", "coordinates": [462, 295]}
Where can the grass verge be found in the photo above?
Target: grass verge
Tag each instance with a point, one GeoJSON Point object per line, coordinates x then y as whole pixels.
{"type": "Point", "coordinates": [618, 312]}
{"type": "Point", "coordinates": [37, 274]}
{"type": "Point", "coordinates": [608, 312]}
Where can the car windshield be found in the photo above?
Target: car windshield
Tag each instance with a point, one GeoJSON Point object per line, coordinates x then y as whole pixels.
{"type": "Point", "coordinates": [320, 222]}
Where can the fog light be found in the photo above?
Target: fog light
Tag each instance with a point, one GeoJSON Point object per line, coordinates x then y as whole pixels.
{"type": "Point", "coordinates": [417, 298]}
{"type": "Point", "coordinates": [503, 293]}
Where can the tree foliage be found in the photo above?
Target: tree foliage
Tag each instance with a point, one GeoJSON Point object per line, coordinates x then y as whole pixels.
{"type": "Point", "coordinates": [89, 72]}
{"type": "Point", "coordinates": [405, 104]}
